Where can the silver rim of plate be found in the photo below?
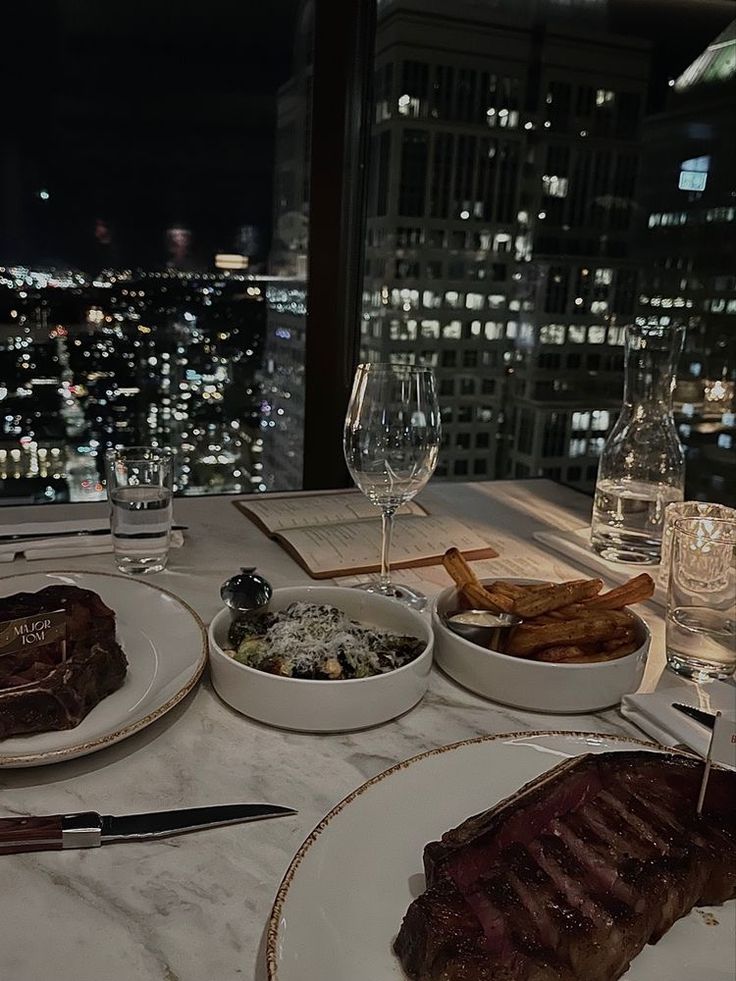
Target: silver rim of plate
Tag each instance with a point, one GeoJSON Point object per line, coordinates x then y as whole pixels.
{"type": "Point", "coordinates": [273, 939]}
{"type": "Point", "coordinates": [122, 732]}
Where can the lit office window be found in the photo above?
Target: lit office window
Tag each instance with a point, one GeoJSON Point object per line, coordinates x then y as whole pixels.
{"type": "Point", "coordinates": [554, 187]}
{"type": "Point", "coordinates": [694, 174]}
{"type": "Point", "coordinates": [552, 334]}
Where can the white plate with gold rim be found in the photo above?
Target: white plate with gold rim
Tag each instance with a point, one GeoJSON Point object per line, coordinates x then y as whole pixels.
{"type": "Point", "coordinates": [342, 900]}
{"type": "Point", "coordinates": [165, 643]}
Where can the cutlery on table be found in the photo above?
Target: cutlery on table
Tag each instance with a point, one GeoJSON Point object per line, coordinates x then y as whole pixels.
{"type": "Point", "coordinates": [88, 829]}
{"type": "Point", "coordinates": [70, 534]}
{"type": "Point", "coordinates": [707, 719]}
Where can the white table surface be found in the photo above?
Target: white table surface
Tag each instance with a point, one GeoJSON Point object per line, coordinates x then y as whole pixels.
{"type": "Point", "coordinates": [195, 908]}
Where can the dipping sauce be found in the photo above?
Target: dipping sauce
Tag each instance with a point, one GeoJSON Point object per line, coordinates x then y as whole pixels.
{"type": "Point", "coordinates": [483, 618]}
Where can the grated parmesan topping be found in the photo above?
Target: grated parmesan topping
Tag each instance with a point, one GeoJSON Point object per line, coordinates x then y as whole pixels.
{"type": "Point", "coordinates": [306, 640]}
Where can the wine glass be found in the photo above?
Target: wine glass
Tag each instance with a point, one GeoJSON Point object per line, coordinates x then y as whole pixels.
{"type": "Point", "coordinates": [391, 440]}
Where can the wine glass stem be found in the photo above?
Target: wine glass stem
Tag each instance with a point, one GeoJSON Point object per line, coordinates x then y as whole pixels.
{"type": "Point", "coordinates": [387, 527]}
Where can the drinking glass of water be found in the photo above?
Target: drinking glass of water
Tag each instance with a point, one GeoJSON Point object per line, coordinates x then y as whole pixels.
{"type": "Point", "coordinates": [686, 509]}
{"type": "Point", "coordinates": [391, 441]}
{"type": "Point", "coordinates": [140, 483]}
{"type": "Point", "coordinates": [701, 600]}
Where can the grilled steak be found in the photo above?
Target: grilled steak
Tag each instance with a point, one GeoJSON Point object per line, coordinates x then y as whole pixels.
{"type": "Point", "coordinates": [572, 876]}
{"type": "Point", "coordinates": [38, 690]}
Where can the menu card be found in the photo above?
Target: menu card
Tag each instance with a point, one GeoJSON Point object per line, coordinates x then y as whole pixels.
{"type": "Point", "coordinates": [339, 534]}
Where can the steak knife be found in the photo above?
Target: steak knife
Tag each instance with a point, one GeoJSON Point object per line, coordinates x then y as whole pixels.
{"type": "Point", "coordinates": [88, 829]}
{"type": "Point", "coordinates": [707, 719]}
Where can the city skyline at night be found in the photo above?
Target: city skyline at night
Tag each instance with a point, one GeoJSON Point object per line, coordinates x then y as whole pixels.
{"type": "Point", "coordinates": [155, 218]}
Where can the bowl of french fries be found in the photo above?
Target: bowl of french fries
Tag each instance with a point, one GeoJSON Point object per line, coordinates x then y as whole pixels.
{"type": "Point", "coordinates": [578, 648]}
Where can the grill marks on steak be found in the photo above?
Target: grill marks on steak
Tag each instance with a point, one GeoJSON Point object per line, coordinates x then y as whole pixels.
{"type": "Point", "coordinates": [40, 692]}
{"type": "Point", "coordinates": [572, 876]}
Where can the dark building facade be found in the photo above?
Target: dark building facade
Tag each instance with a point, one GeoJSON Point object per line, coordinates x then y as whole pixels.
{"type": "Point", "coordinates": [688, 255]}
{"type": "Point", "coordinates": [500, 227]}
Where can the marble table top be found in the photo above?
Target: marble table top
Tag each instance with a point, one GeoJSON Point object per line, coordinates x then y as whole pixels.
{"type": "Point", "coordinates": [196, 907]}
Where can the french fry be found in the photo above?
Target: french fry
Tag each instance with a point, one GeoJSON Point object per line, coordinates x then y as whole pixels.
{"type": "Point", "coordinates": [621, 651]}
{"type": "Point", "coordinates": [636, 590]}
{"type": "Point", "coordinates": [623, 618]}
{"type": "Point", "coordinates": [627, 637]}
{"type": "Point", "coordinates": [480, 599]}
{"type": "Point", "coordinates": [504, 603]}
{"type": "Point", "coordinates": [554, 597]}
{"type": "Point", "coordinates": [526, 639]}
{"type": "Point", "coordinates": [563, 623]}
{"type": "Point", "coordinates": [456, 564]}
{"type": "Point", "coordinates": [509, 589]}
{"type": "Point", "coordinates": [561, 655]}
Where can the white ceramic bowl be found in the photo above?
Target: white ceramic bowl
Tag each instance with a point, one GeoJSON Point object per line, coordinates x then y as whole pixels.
{"type": "Point", "coordinates": [534, 685]}
{"type": "Point", "coordinates": [325, 706]}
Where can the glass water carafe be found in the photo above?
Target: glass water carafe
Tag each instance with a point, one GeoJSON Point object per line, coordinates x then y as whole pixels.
{"type": "Point", "coordinates": [642, 466]}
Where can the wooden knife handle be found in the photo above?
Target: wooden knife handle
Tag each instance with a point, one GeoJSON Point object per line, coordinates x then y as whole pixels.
{"type": "Point", "coordinates": [30, 834]}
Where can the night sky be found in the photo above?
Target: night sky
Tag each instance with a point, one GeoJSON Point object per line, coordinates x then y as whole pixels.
{"type": "Point", "coordinates": [146, 113]}
{"type": "Point", "coordinates": [149, 113]}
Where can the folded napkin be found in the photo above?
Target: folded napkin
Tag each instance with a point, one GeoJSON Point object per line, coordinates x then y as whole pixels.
{"type": "Point", "coordinates": [653, 712]}
{"type": "Point", "coordinates": [61, 548]}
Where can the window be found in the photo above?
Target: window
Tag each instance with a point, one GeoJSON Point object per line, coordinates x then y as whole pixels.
{"type": "Point", "coordinates": [694, 174]}
{"type": "Point", "coordinates": [607, 203]}
{"type": "Point", "coordinates": [413, 173]}
{"type": "Point", "coordinates": [554, 186]}
{"type": "Point", "coordinates": [552, 334]}
{"type": "Point", "coordinates": [132, 261]}
{"type": "Point", "coordinates": [553, 438]}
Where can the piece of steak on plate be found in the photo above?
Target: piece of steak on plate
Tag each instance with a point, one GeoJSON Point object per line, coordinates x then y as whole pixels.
{"type": "Point", "coordinates": [38, 690]}
{"type": "Point", "coordinates": [569, 878]}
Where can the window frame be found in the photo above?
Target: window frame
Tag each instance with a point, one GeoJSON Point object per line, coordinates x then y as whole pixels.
{"type": "Point", "coordinates": [344, 41]}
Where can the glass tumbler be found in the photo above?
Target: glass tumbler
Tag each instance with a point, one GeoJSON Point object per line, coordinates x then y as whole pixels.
{"type": "Point", "coordinates": [686, 509]}
{"type": "Point", "coordinates": [701, 599]}
{"type": "Point", "coordinates": [140, 484]}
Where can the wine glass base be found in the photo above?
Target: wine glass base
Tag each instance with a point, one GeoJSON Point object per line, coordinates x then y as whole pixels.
{"type": "Point", "coordinates": [411, 597]}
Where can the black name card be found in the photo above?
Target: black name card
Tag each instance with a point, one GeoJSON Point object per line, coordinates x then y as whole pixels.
{"type": "Point", "coordinates": [36, 630]}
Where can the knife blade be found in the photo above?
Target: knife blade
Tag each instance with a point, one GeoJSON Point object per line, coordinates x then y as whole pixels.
{"type": "Point", "coordinates": [707, 719]}
{"type": "Point", "coordinates": [33, 536]}
{"type": "Point", "coordinates": [88, 829]}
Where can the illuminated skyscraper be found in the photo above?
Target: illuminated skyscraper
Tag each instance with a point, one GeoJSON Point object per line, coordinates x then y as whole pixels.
{"type": "Point", "coordinates": [688, 250]}
{"type": "Point", "coordinates": [505, 156]}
